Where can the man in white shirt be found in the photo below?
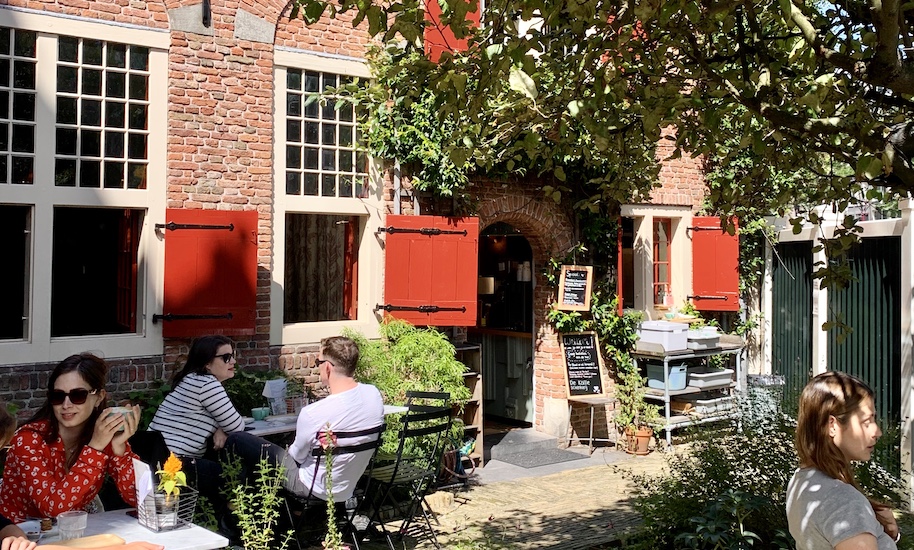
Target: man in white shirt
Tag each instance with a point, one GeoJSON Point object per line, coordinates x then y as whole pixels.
{"type": "Point", "coordinates": [350, 407]}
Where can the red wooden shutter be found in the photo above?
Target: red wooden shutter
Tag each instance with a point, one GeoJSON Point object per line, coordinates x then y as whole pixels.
{"type": "Point", "coordinates": [210, 273]}
{"type": "Point", "coordinates": [715, 271]}
{"type": "Point", "coordinates": [440, 38]}
{"type": "Point", "coordinates": [127, 260]}
{"type": "Point", "coordinates": [428, 270]}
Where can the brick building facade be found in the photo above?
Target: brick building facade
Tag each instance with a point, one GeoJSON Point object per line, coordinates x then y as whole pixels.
{"type": "Point", "coordinates": [213, 110]}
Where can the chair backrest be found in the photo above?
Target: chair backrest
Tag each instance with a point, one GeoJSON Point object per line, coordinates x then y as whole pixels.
{"type": "Point", "coordinates": [150, 447]}
{"type": "Point", "coordinates": [433, 398]}
{"type": "Point", "coordinates": [337, 450]}
{"type": "Point", "coordinates": [425, 428]}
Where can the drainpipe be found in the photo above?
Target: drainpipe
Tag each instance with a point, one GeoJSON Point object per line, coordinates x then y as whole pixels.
{"type": "Point", "coordinates": [397, 187]}
{"type": "Point", "coordinates": [907, 340]}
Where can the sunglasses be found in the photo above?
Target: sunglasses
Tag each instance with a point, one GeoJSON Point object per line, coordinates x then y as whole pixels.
{"type": "Point", "coordinates": [226, 357]}
{"type": "Point", "coordinates": [320, 362]}
{"type": "Point", "coordinates": [77, 396]}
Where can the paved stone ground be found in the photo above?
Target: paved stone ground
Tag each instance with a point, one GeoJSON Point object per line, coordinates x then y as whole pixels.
{"type": "Point", "coordinates": [575, 509]}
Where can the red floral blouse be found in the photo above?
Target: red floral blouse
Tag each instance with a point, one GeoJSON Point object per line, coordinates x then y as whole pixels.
{"type": "Point", "coordinates": [36, 482]}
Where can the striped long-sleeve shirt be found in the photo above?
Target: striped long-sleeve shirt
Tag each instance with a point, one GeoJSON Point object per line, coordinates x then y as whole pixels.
{"type": "Point", "coordinates": [192, 412]}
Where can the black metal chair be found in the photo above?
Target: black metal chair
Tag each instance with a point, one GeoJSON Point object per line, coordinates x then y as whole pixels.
{"type": "Point", "coordinates": [345, 514]}
{"type": "Point", "coordinates": [401, 485]}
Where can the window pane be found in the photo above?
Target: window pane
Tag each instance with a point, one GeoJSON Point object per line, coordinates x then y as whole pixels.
{"type": "Point", "coordinates": [114, 114]}
{"type": "Point", "coordinates": [93, 270]}
{"type": "Point", "coordinates": [23, 138]}
{"type": "Point", "coordinates": [328, 159]}
{"type": "Point", "coordinates": [68, 49]}
{"type": "Point", "coordinates": [114, 175]}
{"type": "Point", "coordinates": [293, 104]}
{"type": "Point", "coordinates": [139, 58]}
{"type": "Point", "coordinates": [328, 185]}
{"type": "Point", "coordinates": [25, 43]}
{"type": "Point", "coordinates": [345, 136]}
{"type": "Point", "coordinates": [136, 176]}
{"type": "Point", "coordinates": [66, 110]}
{"type": "Point", "coordinates": [89, 173]}
{"type": "Point", "coordinates": [15, 228]}
{"type": "Point", "coordinates": [311, 132]}
{"type": "Point", "coordinates": [92, 82]}
{"type": "Point", "coordinates": [293, 80]}
{"type": "Point", "coordinates": [66, 141]}
{"type": "Point", "coordinates": [4, 72]}
{"type": "Point", "coordinates": [65, 172]}
{"type": "Point", "coordinates": [67, 79]}
{"type": "Point", "coordinates": [328, 110]}
{"type": "Point", "coordinates": [312, 82]}
{"type": "Point", "coordinates": [4, 104]}
{"type": "Point", "coordinates": [90, 143]}
{"type": "Point", "coordinates": [114, 144]}
{"type": "Point", "coordinates": [346, 113]}
{"type": "Point", "coordinates": [345, 186]}
{"type": "Point", "coordinates": [4, 168]}
{"type": "Point", "coordinates": [136, 146]}
{"type": "Point", "coordinates": [138, 86]}
{"type": "Point", "coordinates": [23, 106]}
{"type": "Point", "coordinates": [116, 85]}
{"type": "Point", "coordinates": [310, 158]}
{"type": "Point", "coordinates": [5, 40]}
{"type": "Point", "coordinates": [4, 137]}
{"type": "Point", "coordinates": [293, 183]}
{"type": "Point", "coordinates": [117, 55]}
{"type": "Point", "coordinates": [92, 52]}
{"type": "Point", "coordinates": [312, 107]}
{"type": "Point", "coordinates": [23, 170]}
{"type": "Point", "coordinates": [137, 117]}
{"type": "Point", "coordinates": [293, 130]}
{"type": "Point", "coordinates": [293, 157]}
{"type": "Point", "coordinates": [319, 268]}
{"type": "Point", "coordinates": [328, 134]}
{"type": "Point", "coordinates": [92, 112]}
{"type": "Point", "coordinates": [310, 184]}
{"type": "Point", "coordinates": [346, 161]}
{"type": "Point", "coordinates": [24, 74]}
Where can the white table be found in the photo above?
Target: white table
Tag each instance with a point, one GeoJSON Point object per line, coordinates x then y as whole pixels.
{"type": "Point", "coordinates": [285, 423]}
{"type": "Point", "coordinates": [117, 522]}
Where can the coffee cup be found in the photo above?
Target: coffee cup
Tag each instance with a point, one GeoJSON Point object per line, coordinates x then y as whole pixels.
{"type": "Point", "coordinates": [259, 413]}
{"type": "Point", "coordinates": [112, 411]}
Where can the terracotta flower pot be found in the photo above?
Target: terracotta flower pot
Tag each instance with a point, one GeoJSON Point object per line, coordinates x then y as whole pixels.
{"type": "Point", "coordinates": [638, 440]}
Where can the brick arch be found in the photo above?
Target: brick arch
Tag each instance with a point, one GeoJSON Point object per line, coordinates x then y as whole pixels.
{"type": "Point", "coordinates": [550, 231]}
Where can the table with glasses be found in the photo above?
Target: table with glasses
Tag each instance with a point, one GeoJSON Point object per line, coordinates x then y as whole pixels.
{"type": "Point", "coordinates": [118, 522]}
{"type": "Point", "coordinates": [285, 423]}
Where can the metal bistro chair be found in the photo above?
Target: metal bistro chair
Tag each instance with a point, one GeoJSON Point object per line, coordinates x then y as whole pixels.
{"type": "Point", "coordinates": [345, 514]}
{"type": "Point", "coordinates": [413, 471]}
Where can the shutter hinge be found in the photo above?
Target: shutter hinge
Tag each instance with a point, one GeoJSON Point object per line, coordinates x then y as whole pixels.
{"type": "Point", "coordinates": [431, 231]}
{"type": "Point", "coordinates": [699, 297]}
{"type": "Point", "coordinates": [172, 226]}
{"type": "Point", "coordinates": [188, 316]}
{"type": "Point", "coordinates": [422, 309]}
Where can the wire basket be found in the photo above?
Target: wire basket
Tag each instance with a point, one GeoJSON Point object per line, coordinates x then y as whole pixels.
{"type": "Point", "coordinates": [158, 513]}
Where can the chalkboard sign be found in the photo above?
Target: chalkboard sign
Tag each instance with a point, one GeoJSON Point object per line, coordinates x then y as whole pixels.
{"type": "Point", "coordinates": [583, 363]}
{"type": "Point", "coordinates": [574, 288]}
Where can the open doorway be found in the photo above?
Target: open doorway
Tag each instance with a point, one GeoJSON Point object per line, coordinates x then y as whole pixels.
{"type": "Point", "coordinates": [505, 325]}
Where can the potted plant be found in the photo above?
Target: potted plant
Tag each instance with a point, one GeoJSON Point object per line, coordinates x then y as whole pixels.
{"type": "Point", "coordinates": [635, 417]}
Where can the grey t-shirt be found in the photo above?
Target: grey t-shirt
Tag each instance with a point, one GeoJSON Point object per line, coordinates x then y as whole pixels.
{"type": "Point", "coordinates": [823, 512]}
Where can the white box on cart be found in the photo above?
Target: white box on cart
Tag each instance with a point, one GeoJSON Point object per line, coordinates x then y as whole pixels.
{"type": "Point", "coordinates": [672, 336]}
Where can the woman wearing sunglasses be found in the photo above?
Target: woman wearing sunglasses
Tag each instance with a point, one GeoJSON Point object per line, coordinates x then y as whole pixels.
{"type": "Point", "coordinates": [58, 460]}
{"type": "Point", "coordinates": [199, 422]}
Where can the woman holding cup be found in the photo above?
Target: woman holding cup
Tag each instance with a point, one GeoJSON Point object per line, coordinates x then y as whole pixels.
{"type": "Point", "coordinates": [58, 460]}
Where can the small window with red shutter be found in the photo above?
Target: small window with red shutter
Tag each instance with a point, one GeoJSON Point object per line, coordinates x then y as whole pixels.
{"type": "Point", "coordinates": [440, 38]}
{"type": "Point", "coordinates": [431, 269]}
{"type": "Point", "coordinates": [210, 273]}
{"type": "Point", "coordinates": [715, 271]}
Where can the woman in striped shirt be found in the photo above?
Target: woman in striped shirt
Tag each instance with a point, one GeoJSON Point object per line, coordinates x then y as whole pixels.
{"type": "Point", "coordinates": [198, 409]}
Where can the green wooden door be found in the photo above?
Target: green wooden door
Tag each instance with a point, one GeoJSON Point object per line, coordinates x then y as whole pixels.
{"type": "Point", "coordinates": [791, 317]}
{"type": "Point", "coordinates": [869, 346]}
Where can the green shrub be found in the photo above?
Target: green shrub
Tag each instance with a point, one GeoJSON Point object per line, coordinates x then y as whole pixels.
{"type": "Point", "coordinates": [245, 389]}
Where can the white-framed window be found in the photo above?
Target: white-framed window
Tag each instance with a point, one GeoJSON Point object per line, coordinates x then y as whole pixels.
{"type": "Point", "coordinates": [326, 260]}
{"type": "Point", "coordinates": [82, 155]}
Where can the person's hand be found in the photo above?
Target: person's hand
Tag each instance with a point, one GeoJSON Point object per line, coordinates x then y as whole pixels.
{"type": "Point", "coordinates": [131, 423]}
{"type": "Point", "coordinates": [17, 543]}
{"type": "Point", "coordinates": [886, 518]}
{"type": "Point", "coordinates": [219, 439]}
{"type": "Point", "coordinates": [106, 427]}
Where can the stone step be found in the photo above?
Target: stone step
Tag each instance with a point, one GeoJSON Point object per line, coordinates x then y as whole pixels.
{"type": "Point", "coordinates": [521, 440]}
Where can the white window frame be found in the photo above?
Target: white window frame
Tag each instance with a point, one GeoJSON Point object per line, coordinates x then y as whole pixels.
{"type": "Point", "coordinates": [369, 209]}
{"type": "Point", "coordinates": [43, 196]}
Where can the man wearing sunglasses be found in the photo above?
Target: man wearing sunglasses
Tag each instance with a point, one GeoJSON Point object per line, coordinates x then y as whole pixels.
{"type": "Point", "coordinates": [351, 406]}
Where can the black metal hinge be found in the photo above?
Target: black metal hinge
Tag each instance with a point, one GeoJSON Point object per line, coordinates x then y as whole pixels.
{"type": "Point", "coordinates": [172, 226]}
{"type": "Point", "coordinates": [424, 231]}
{"type": "Point", "coordinates": [699, 297]}
{"type": "Point", "coordinates": [422, 309]}
{"type": "Point", "coordinates": [188, 316]}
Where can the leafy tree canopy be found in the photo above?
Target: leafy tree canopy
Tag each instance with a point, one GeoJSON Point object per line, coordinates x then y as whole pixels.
{"type": "Point", "coordinates": [790, 101]}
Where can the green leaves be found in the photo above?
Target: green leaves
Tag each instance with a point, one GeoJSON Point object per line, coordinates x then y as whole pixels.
{"type": "Point", "coordinates": [521, 82]}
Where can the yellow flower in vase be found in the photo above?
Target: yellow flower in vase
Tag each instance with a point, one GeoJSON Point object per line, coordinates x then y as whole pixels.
{"type": "Point", "coordinates": [171, 478]}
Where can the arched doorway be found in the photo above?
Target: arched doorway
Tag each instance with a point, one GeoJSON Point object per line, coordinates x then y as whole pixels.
{"type": "Point", "coordinates": [505, 324]}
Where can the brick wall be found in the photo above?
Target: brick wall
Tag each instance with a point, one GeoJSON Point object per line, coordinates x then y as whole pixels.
{"type": "Point", "coordinates": [682, 180]}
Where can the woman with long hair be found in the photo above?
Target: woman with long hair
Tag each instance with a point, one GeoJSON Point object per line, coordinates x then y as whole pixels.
{"type": "Point", "coordinates": [826, 508]}
{"type": "Point", "coordinates": [58, 460]}
{"type": "Point", "coordinates": [199, 422]}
